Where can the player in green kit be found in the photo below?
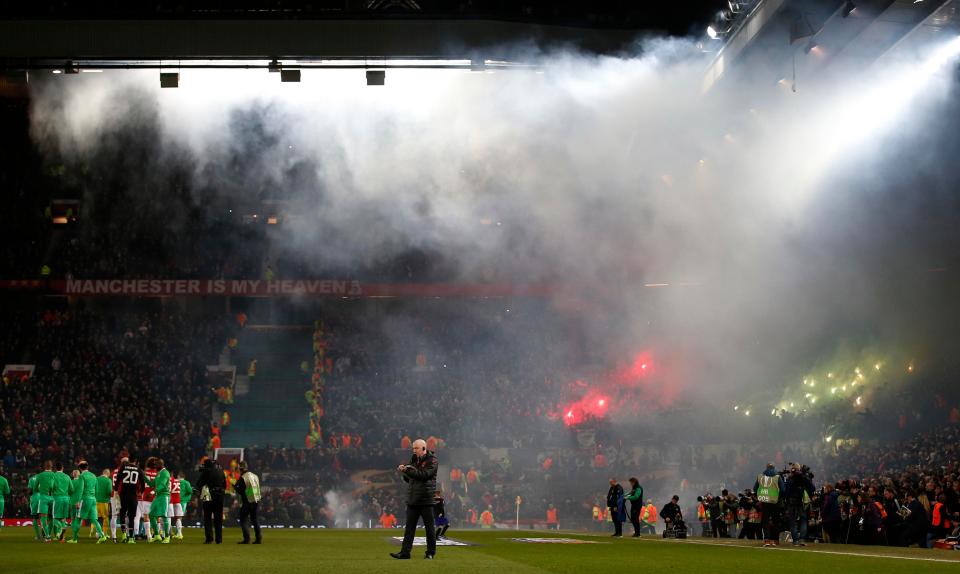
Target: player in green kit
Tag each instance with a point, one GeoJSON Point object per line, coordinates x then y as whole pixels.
{"type": "Point", "coordinates": [186, 493]}
{"type": "Point", "coordinates": [62, 508]}
{"type": "Point", "coordinates": [104, 491]}
{"type": "Point", "coordinates": [158, 508]}
{"type": "Point", "coordinates": [76, 491]}
{"type": "Point", "coordinates": [88, 504]}
{"type": "Point", "coordinates": [4, 493]}
{"type": "Point", "coordinates": [35, 505]}
{"type": "Point", "coordinates": [45, 500]}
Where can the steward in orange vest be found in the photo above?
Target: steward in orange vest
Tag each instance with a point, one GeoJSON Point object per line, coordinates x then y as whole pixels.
{"type": "Point", "coordinates": [552, 518]}
{"type": "Point", "coordinates": [486, 518]}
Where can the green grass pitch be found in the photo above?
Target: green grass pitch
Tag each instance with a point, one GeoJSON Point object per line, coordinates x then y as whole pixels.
{"type": "Point", "coordinates": [347, 551]}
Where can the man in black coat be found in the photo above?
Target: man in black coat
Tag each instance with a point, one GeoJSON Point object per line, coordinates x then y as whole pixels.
{"type": "Point", "coordinates": [211, 485]}
{"type": "Point", "coordinates": [617, 507]}
{"type": "Point", "coordinates": [421, 478]}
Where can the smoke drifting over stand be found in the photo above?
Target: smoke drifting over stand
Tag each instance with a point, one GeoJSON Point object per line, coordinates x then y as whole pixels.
{"type": "Point", "coordinates": [741, 233]}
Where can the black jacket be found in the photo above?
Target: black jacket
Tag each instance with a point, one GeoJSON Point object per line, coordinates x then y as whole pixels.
{"type": "Point", "coordinates": [212, 477]}
{"type": "Point", "coordinates": [614, 496]}
{"type": "Point", "coordinates": [795, 485]}
{"type": "Point", "coordinates": [671, 511]}
{"type": "Point", "coordinates": [421, 476]}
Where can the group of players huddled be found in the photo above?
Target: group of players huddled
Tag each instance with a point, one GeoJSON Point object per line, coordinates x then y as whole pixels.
{"type": "Point", "coordinates": [150, 499]}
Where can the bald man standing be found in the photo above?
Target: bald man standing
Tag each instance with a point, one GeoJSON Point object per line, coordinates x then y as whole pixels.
{"type": "Point", "coordinates": [421, 478]}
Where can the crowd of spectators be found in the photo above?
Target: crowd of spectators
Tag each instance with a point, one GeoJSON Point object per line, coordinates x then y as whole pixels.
{"type": "Point", "coordinates": [107, 384]}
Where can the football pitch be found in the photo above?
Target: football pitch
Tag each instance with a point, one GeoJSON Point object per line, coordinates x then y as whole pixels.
{"type": "Point", "coordinates": [347, 551]}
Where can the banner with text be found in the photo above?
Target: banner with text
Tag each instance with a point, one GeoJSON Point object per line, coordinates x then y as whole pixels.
{"type": "Point", "coordinates": [277, 288]}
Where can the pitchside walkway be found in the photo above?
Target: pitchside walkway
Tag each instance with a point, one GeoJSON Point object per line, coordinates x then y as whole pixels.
{"type": "Point", "coordinates": [273, 410]}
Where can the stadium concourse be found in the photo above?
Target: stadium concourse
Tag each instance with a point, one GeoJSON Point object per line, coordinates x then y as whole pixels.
{"type": "Point", "coordinates": [687, 270]}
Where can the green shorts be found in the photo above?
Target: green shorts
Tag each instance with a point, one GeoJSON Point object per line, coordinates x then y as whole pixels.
{"type": "Point", "coordinates": [44, 504]}
{"type": "Point", "coordinates": [158, 508]}
{"type": "Point", "coordinates": [62, 507]}
{"type": "Point", "coordinates": [34, 504]}
{"type": "Point", "coordinates": [88, 509]}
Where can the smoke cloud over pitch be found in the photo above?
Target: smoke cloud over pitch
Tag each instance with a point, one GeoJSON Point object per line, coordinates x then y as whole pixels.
{"type": "Point", "coordinates": [738, 232]}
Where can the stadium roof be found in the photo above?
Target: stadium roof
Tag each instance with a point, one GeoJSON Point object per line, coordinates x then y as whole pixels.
{"type": "Point", "coordinates": [209, 29]}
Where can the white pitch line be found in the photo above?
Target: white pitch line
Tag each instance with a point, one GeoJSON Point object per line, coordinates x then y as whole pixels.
{"type": "Point", "coordinates": [806, 549]}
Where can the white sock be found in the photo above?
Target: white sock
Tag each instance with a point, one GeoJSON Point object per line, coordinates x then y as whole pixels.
{"type": "Point", "coordinates": [113, 527]}
{"type": "Point", "coordinates": [179, 527]}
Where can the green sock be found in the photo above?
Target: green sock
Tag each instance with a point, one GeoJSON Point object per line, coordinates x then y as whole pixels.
{"type": "Point", "coordinates": [166, 527]}
{"type": "Point", "coordinates": [47, 532]}
{"type": "Point", "coordinates": [76, 528]}
{"type": "Point", "coordinates": [57, 527]}
{"type": "Point", "coordinates": [153, 526]}
{"type": "Point", "coordinates": [99, 528]}
{"type": "Point", "coordinates": [36, 526]}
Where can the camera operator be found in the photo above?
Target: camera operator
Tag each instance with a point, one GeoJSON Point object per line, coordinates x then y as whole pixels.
{"type": "Point", "coordinates": [212, 484]}
{"type": "Point", "coordinates": [718, 525]}
{"type": "Point", "coordinates": [730, 506]}
{"type": "Point", "coordinates": [752, 516]}
{"type": "Point", "coordinates": [768, 487]}
{"type": "Point", "coordinates": [421, 476]}
{"type": "Point", "coordinates": [673, 518]}
{"type": "Point", "coordinates": [796, 498]}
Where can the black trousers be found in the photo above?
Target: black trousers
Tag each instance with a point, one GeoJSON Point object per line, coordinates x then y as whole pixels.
{"type": "Point", "coordinates": [617, 523]}
{"type": "Point", "coordinates": [128, 512]}
{"type": "Point", "coordinates": [635, 518]}
{"type": "Point", "coordinates": [771, 521]}
{"type": "Point", "coordinates": [213, 518]}
{"type": "Point", "coordinates": [249, 511]}
{"type": "Point", "coordinates": [414, 514]}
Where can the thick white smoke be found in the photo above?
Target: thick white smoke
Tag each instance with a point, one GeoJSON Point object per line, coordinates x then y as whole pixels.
{"type": "Point", "coordinates": [599, 173]}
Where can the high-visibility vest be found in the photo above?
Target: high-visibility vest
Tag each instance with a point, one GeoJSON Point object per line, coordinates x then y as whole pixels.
{"type": "Point", "coordinates": [754, 516]}
{"type": "Point", "coordinates": [702, 512]}
{"type": "Point", "coordinates": [225, 419]}
{"type": "Point", "coordinates": [551, 516]}
{"type": "Point", "coordinates": [769, 490]}
{"type": "Point", "coordinates": [883, 511]}
{"type": "Point", "coordinates": [938, 518]}
{"type": "Point", "coordinates": [253, 486]}
{"type": "Point", "coordinates": [405, 442]}
{"type": "Point", "coordinates": [650, 514]}
{"type": "Point", "coordinates": [455, 474]}
{"type": "Point", "coordinates": [596, 512]}
{"type": "Point", "coordinates": [486, 518]}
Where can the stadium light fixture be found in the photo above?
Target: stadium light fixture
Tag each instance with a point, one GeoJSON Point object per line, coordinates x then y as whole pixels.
{"type": "Point", "coordinates": [848, 7]}
{"type": "Point", "coordinates": [169, 79]}
{"type": "Point", "coordinates": [289, 75]}
{"type": "Point", "coordinates": [712, 32]}
{"type": "Point", "coordinates": [376, 77]}
{"type": "Point", "coordinates": [810, 46]}
{"type": "Point", "coordinates": [273, 66]}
